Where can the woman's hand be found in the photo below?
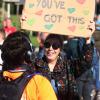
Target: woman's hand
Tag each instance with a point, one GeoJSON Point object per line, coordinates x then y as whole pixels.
{"type": "Point", "coordinates": [23, 17]}
{"type": "Point", "coordinates": [91, 29]}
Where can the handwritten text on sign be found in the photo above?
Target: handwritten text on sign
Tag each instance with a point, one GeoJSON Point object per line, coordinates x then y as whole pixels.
{"type": "Point", "coordinates": [68, 17]}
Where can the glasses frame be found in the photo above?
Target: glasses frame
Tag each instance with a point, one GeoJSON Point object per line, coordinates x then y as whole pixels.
{"type": "Point", "coordinates": [54, 45]}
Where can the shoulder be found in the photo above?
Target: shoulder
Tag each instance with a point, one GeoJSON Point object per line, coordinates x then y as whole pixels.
{"type": "Point", "coordinates": [40, 79]}
{"type": "Point", "coordinates": [42, 84]}
{"type": "Point", "coordinates": [38, 82]}
{"type": "Point", "coordinates": [12, 75]}
{"type": "Point", "coordinates": [40, 62]}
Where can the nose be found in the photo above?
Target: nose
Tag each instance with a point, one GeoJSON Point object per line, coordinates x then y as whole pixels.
{"type": "Point", "coordinates": [51, 48]}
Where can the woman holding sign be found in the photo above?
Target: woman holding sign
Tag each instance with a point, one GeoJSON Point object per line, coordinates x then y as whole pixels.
{"type": "Point", "coordinates": [57, 68]}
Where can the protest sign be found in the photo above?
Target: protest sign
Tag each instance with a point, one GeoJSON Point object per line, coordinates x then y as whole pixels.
{"type": "Point", "coordinates": [66, 17]}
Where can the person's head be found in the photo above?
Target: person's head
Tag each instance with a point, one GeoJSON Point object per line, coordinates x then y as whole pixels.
{"type": "Point", "coordinates": [53, 45]}
{"type": "Point", "coordinates": [16, 50]}
{"type": "Point", "coordinates": [4, 23]}
{"type": "Point", "coordinates": [8, 22]}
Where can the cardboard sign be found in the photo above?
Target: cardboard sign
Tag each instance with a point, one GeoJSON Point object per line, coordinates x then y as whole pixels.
{"type": "Point", "coordinates": [66, 17]}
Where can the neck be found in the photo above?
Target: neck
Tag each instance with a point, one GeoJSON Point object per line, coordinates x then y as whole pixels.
{"type": "Point", "coordinates": [52, 64]}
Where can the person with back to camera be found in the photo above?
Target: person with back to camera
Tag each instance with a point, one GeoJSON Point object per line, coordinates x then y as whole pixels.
{"type": "Point", "coordinates": [16, 52]}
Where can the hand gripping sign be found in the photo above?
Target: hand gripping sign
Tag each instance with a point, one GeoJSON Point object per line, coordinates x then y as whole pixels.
{"type": "Point", "coordinates": [66, 17]}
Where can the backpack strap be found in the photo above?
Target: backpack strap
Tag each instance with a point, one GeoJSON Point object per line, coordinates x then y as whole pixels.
{"type": "Point", "coordinates": [23, 80]}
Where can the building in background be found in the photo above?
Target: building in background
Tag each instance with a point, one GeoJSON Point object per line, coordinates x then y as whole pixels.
{"type": "Point", "coordinates": [11, 7]}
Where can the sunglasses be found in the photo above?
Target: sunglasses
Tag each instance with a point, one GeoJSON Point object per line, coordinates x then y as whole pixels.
{"type": "Point", "coordinates": [54, 45]}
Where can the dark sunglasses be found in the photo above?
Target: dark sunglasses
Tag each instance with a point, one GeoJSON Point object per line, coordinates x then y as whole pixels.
{"type": "Point", "coordinates": [54, 45]}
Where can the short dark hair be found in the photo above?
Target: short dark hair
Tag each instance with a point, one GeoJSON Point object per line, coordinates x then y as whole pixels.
{"type": "Point", "coordinates": [14, 48]}
{"type": "Point", "coordinates": [55, 38]}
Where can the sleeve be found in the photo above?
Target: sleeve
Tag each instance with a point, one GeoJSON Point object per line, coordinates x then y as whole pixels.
{"type": "Point", "coordinates": [88, 52]}
{"type": "Point", "coordinates": [45, 90]}
{"type": "Point", "coordinates": [85, 49]}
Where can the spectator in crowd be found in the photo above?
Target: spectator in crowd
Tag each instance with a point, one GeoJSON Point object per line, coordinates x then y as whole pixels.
{"type": "Point", "coordinates": [98, 22]}
{"type": "Point", "coordinates": [83, 72]}
{"type": "Point", "coordinates": [97, 15]}
{"type": "Point", "coordinates": [16, 55]}
{"type": "Point", "coordinates": [7, 26]}
{"type": "Point", "coordinates": [84, 64]}
{"type": "Point", "coordinates": [71, 47]}
{"type": "Point", "coordinates": [96, 72]}
{"type": "Point", "coordinates": [41, 38]}
{"type": "Point", "coordinates": [97, 12]}
{"type": "Point", "coordinates": [2, 38]}
{"type": "Point", "coordinates": [4, 23]}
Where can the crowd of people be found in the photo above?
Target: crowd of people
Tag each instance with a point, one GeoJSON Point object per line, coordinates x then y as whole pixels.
{"type": "Point", "coordinates": [67, 67]}
{"type": "Point", "coordinates": [70, 73]}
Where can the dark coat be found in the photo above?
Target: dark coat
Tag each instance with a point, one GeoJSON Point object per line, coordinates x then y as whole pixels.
{"type": "Point", "coordinates": [63, 77]}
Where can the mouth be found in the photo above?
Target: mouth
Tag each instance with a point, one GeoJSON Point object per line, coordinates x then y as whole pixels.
{"type": "Point", "coordinates": [50, 53]}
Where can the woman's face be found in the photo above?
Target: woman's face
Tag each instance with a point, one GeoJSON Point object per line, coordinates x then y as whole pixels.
{"type": "Point", "coordinates": [52, 51]}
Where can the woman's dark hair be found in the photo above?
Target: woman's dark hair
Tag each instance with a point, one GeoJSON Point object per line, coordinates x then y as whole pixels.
{"type": "Point", "coordinates": [14, 48]}
{"type": "Point", "coordinates": [55, 38]}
